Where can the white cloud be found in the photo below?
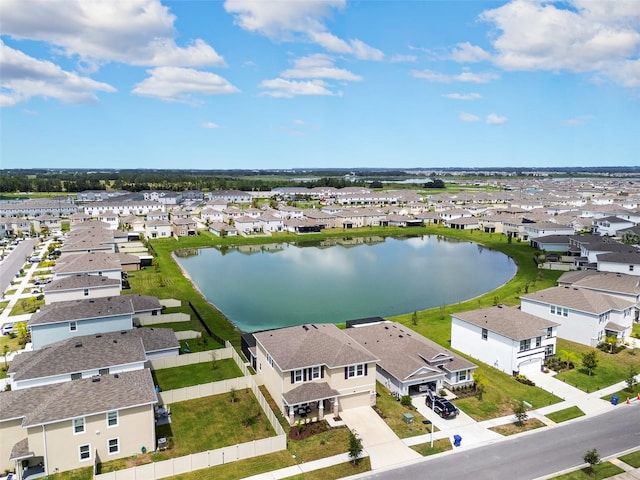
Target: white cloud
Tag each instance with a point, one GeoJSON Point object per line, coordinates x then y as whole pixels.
{"type": "Point", "coordinates": [467, 53]}
{"type": "Point", "coordinates": [174, 84]}
{"type": "Point", "coordinates": [403, 59]}
{"type": "Point", "coordinates": [319, 66]}
{"type": "Point", "coordinates": [210, 125]}
{"type": "Point", "coordinates": [24, 77]}
{"type": "Point", "coordinates": [578, 121]}
{"type": "Point", "coordinates": [463, 96]}
{"type": "Point", "coordinates": [135, 32]}
{"type": "Point", "coordinates": [468, 117]}
{"type": "Point", "coordinates": [465, 76]}
{"type": "Point", "coordinates": [494, 119]}
{"type": "Point", "coordinates": [294, 21]}
{"type": "Point", "coordinates": [281, 88]}
{"type": "Point", "coordinates": [602, 37]}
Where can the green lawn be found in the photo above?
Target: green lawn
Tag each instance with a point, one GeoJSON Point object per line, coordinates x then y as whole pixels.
{"type": "Point", "coordinates": [204, 424]}
{"type": "Point", "coordinates": [611, 369]}
{"type": "Point", "coordinates": [79, 474]}
{"type": "Point", "coordinates": [513, 428]}
{"type": "Point", "coordinates": [632, 459]}
{"type": "Point", "coordinates": [188, 375]}
{"type": "Point", "coordinates": [599, 472]}
{"type": "Point", "coordinates": [439, 446]}
{"type": "Point", "coordinates": [392, 411]}
{"type": "Point", "coordinates": [26, 305]}
{"type": "Point", "coordinates": [337, 471]}
{"type": "Point", "coordinates": [325, 444]}
{"type": "Point", "coordinates": [565, 414]}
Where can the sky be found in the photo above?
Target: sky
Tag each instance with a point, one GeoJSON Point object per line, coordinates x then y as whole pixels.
{"type": "Point", "coordinates": [295, 84]}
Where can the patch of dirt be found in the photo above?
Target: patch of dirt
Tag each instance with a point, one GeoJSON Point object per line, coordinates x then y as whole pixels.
{"type": "Point", "coordinates": [308, 430]}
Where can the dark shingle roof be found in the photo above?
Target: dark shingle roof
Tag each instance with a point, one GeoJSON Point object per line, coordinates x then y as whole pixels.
{"type": "Point", "coordinates": [87, 262]}
{"type": "Point", "coordinates": [509, 322]}
{"type": "Point", "coordinates": [579, 299]}
{"type": "Point", "coordinates": [78, 398]}
{"type": "Point", "coordinates": [74, 282]}
{"type": "Point", "coordinates": [82, 309]}
{"type": "Point", "coordinates": [144, 303]}
{"type": "Point", "coordinates": [311, 345]}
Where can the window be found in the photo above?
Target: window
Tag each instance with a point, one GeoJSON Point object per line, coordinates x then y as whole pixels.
{"type": "Point", "coordinates": [73, 326]}
{"type": "Point", "coordinates": [112, 419]}
{"type": "Point", "coordinates": [461, 376]}
{"type": "Point", "coordinates": [631, 268]}
{"type": "Point", "coordinates": [525, 344]}
{"type": "Point", "coordinates": [353, 371]}
{"type": "Point", "coordinates": [552, 309]}
{"type": "Point", "coordinates": [549, 332]}
{"type": "Point", "coordinates": [538, 342]}
{"type": "Point", "coordinates": [86, 292]}
{"type": "Point", "coordinates": [548, 350]}
{"type": "Point", "coordinates": [315, 373]}
{"type": "Point", "coordinates": [270, 360]}
{"type": "Point", "coordinates": [485, 334]}
{"type": "Point", "coordinates": [560, 311]}
{"type": "Point", "coordinates": [113, 446]}
{"type": "Point", "coordinates": [297, 376]}
{"type": "Point", "coordinates": [78, 425]}
{"type": "Point", "coordinates": [103, 371]}
{"type": "Point", "coordinates": [85, 452]}
{"type": "Point", "coordinates": [76, 376]}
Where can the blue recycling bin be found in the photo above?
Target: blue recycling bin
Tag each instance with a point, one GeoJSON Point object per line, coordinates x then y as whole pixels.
{"type": "Point", "coordinates": [614, 399]}
{"type": "Point", "coordinates": [457, 440]}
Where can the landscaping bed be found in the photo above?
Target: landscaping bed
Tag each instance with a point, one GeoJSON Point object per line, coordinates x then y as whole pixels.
{"type": "Point", "coordinates": [513, 428]}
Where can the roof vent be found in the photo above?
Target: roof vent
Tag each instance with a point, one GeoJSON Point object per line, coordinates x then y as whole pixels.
{"type": "Point", "coordinates": [95, 379]}
{"type": "Point", "coordinates": [116, 376]}
{"type": "Point", "coordinates": [123, 332]}
{"type": "Point", "coordinates": [115, 341]}
{"type": "Point", "coordinates": [78, 345]}
{"type": "Point", "coordinates": [305, 328]}
{"type": "Point", "coordinates": [99, 335]}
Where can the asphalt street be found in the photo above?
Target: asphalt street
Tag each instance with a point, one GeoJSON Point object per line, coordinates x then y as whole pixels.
{"type": "Point", "coordinates": [534, 455]}
{"type": "Point", "coordinates": [14, 261]}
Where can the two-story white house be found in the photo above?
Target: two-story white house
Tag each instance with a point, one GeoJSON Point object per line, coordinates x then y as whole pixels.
{"type": "Point", "coordinates": [584, 316]}
{"type": "Point", "coordinates": [504, 337]}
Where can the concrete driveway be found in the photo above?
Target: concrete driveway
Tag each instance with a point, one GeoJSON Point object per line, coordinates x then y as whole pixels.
{"type": "Point", "coordinates": [383, 446]}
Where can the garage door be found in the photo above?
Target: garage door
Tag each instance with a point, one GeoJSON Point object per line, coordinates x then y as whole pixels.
{"type": "Point", "coordinates": [533, 365]}
{"type": "Point", "coordinates": [354, 401]}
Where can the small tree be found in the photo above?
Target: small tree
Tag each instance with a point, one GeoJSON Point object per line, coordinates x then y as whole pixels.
{"type": "Point", "coordinates": [214, 358]}
{"type": "Point", "coordinates": [233, 395]}
{"type": "Point", "coordinates": [592, 457]}
{"type": "Point", "coordinates": [480, 384]}
{"type": "Point", "coordinates": [520, 411]}
{"type": "Point", "coordinates": [630, 380]}
{"type": "Point", "coordinates": [355, 447]}
{"type": "Point", "coordinates": [414, 318]}
{"type": "Point", "coordinates": [590, 360]}
{"type": "Point", "coordinates": [5, 352]}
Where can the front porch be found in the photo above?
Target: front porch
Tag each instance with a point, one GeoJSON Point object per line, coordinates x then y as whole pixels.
{"type": "Point", "coordinates": [310, 402]}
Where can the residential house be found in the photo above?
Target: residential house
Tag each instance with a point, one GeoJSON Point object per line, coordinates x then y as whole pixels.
{"type": "Point", "coordinates": [584, 316]}
{"type": "Point", "coordinates": [504, 337]}
{"type": "Point", "coordinates": [410, 363]}
{"type": "Point", "coordinates": [76, 287]}
{"type": "Point", "coordinates": [230, 196]}
{"type": "Point", "coordinates": [95, 263]}
{"type": "Point", "coordinates": [157, 229]}
{"type": "Point", "coordinates": [71, 425]}
{"type": "Point", "coordinates": [183, 227]}
{"type": "Point", "coordinates": [627, 260]}
{"type": "Point", "coordinates": [610, 226]}
{"type": "Point", "coordinates": [542, 229]}
{"type": "Point", "coordinates": [223, 229]}
{"type": "Point", "coordinates": [316, 367]}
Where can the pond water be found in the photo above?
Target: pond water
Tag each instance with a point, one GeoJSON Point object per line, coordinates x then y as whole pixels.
{"type": "Point", "coordinates": [277, 285]}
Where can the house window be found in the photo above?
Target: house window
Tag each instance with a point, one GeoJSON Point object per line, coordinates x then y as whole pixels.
{"type": "Point", "coordinates": [461, 376]}
{"type": "Point", "coordinates": [353, 371]}
{"type": "Point", "coordinates": [73, 326]}
{"type": "Point", "coordinates": [86, 292]}
{"type": "Point", "coordinates": [297, 376]}
{"type": "Point", "coordinates": [485, 334]}
{"type": "Point", "coordinates": [78, 425]}
{"type": "Point", "coordinates": [76, 376]}
{"type": "Point", "coordinates": [315, 373]}
{"type": "Point", "coordinates": [113, 446]}
{"type": "Point", "coordinates": [565, 312]}
{"type": "Point", "coordinates": [103, 371]}
{"type": "Point", "coordinates": [525, 344]}
{"type": "Point", "coordinates": [548, 350]}
{"type": "Point", "coordinates": [631, 268]}
{"type": "Point", "coordinates": [85, 452]}
{"type": "Point", "coordinates": [538, 342]}
{"type": "Point", "coordinates": [112, 419]}
{"type": "Point", "coordinates": [552, 309]}
{"type": "Point", "coordinates": [549, 332]}
{"type": "Point", "coordinates": [270, 360]}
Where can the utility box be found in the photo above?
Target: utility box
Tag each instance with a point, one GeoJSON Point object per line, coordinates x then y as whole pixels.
{"type": "Point", "coordinates": [408, 417]}
{"type": "Point", "coordinates": [614, 399]}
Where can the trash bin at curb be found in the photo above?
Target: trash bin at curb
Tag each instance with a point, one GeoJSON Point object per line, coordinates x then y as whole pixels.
{"type": "Point", "coordinates": [457, 440]}
{"type": "Point", "coordinates": [614, 399]}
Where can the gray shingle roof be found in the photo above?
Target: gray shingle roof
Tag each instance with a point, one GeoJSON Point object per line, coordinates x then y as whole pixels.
{"type": "Point", "coordinates": [20, 450]}
{"type": "Point", "coordinates": [603, 281]}
{"type": "Point", "coordinates": [403, 352]}
{"type": "Point", "coordinates": [88, 262]}
{"type": "Point", "coordinates": [82, 309]}
{"type": "Point", "coordinates": [144, 303]}
{"type": "Point", "coordinates": [309, 392]}
{"type": "Point", "coordinates": [509, 322]}
{"type": "Point", "coordinates": [74, 282]}
{"type": "Point", "coordinates": [579, 299]}
{"type": "Point", "coordinates": [78, 398]}
{"type": "Point", "coordinates": [78, 354]}
{"type": "Point", "coordinates": [312, 344]}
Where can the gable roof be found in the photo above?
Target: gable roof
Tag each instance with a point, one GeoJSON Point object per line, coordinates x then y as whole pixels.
{"type": "Point", "coordinates": [88, 262]}
{"type": "Point", "coordinates": [81, 280]}
{"type": "Point", "coordinates": [82, 309]}
{"type": "Point", "coordinates": [403, 352]}
{"type": "Point", "coordinates": [510, 322]}
{"type": "Point", "coordinates": [579, 299]}
{"type": "Point", "coordinates": [78, 398]}
{"type": "Point", "coordinates": [312, 344]}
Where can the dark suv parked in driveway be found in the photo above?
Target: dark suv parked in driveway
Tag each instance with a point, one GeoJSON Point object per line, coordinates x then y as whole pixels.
{"type": "Point", "coordinates": [441, 406]}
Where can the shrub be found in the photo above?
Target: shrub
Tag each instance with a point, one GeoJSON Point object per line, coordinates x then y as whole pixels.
{"type": "Point", "coordinates": [522, 379]}
{"type": "Point", "coordinates": [406, 401]}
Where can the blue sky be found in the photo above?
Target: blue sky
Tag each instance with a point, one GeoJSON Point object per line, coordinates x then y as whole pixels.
{"type": "Point", "coordinates": [304, 84]}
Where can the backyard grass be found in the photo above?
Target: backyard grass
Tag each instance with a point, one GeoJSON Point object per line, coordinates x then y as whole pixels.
{"type": "Point", "coordinates": [391, 411]}
{"type": "Point", "coordinates": [611, 369]}
{"type": "Point", "coordinates": [632, 459]}
{"type": "Point", "coordinates": [204, 424]}
{"type": "Point", "coordinates": [78, 474]}
{"type": "Point", "coordinates": [598, 472]}
{"type": "Point", "coordinates": [513, 428]}
{"type": "Point", "coordinates": [26, 305]}
{"type": "Point", "coordinates": [188, 375]}
{"type": "Point", "coordinates": [565, 414]}
{"type": "Point", "coordinates": [439, 446]}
